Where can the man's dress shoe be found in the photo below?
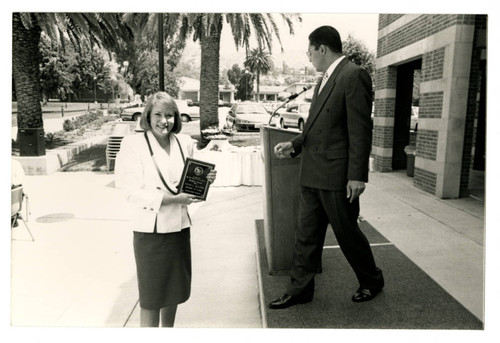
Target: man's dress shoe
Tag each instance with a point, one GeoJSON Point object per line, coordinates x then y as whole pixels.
{"type": "Point", "coordinates": [365, 294]}
{"type": "Point", "coordinates": [289, 300]}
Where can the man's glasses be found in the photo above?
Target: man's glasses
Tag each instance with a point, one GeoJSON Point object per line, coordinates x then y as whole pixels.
{"type": "Point", "coordinates": [309, 53]}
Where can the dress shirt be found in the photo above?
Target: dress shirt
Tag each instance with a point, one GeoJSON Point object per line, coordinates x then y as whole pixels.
{"type": "Point", "coordinates": [329, 72]}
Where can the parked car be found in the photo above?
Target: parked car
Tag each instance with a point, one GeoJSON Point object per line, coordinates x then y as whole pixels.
{"type": "Point", "coordinates": [295, 116]}
{"type": "Point", "coordinates": [414, 118]}
{"type": "Point", "coordinates": [247, 115]}
{"type": "Point", "coordinates": [271, 106]}
{"type": "Point", "coordinates": [132, 112]}
{"type": "Point", "coordinates": [187, 113]}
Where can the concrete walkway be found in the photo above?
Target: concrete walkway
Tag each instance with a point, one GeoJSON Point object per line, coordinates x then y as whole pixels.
{"type": "Point", "coordinates": [80, 270]}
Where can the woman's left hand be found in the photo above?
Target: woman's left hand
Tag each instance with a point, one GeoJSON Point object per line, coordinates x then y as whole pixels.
{"type": "Point", "coordinates": [211, 176]}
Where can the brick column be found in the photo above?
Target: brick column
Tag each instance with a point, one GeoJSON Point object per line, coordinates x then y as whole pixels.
{"type": "Point", "coordinates": [443, 110]}
{"type": "Point", "coordinates": [383, 119]}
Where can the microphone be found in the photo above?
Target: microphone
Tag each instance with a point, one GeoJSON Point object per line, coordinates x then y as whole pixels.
{"type": "Point", "coordinates": [294, 95]}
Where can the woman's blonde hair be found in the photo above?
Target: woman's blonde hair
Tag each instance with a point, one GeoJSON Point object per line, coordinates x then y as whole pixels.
{"type": "Point", "coordinates": [157, 98]}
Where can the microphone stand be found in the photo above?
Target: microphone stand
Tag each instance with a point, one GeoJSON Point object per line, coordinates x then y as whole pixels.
{"type": "Point", "coordinates": [276, 110]}
{"type": "Point", "coordinates": [290, 98]}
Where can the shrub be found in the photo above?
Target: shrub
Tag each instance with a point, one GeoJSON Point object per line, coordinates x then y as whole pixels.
{"type": "Point", "coordinates": [49, 137]}
{"type": "Point", "coordinates": [68, 125]}
{"type": "Point", "coordinates": [116, 110]}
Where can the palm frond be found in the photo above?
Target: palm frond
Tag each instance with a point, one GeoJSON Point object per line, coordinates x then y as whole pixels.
{"type": "Point", "coordinates": [27, 20]}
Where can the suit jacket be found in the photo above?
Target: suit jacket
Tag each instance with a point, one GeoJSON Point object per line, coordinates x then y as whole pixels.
{"type": "Point", "coordinates": [136, 175]}
{"type": "Point", "coordinates": [336, 141]}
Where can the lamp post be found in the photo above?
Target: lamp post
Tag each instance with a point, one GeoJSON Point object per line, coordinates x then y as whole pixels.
{"type": "Point", "coordinates": [247, 75]}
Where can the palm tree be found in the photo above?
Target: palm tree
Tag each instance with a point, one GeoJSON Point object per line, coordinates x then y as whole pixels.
{"type": "Point", "coordinates": [104, 30]}
{"type": "Point", "coordinates": [206, 28]}
{"type": "Point", "coordinates": [259, 61]}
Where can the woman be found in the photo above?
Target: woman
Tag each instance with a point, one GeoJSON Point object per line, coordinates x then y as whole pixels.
{"type": "Point", "coordinates": [148, 167]}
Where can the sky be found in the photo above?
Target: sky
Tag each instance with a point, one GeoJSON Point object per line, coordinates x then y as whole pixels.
{"type": "Point", "coordinates": [363, 27]}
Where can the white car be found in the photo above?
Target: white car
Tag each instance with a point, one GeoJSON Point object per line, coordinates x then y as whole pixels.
{"type": "Point", "coordinates": [187, 113]}
{"type": "Point", "coordinates": [295, 116]}
{"type": "Point", "coordinates": [247, 116]}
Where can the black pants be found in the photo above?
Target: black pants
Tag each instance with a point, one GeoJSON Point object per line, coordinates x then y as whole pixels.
{"type": "Point", "coordinates": [317, 209]}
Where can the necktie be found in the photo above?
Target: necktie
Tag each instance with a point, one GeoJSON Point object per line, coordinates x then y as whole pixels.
{"type": "Point", "coordinates": [323, 81]}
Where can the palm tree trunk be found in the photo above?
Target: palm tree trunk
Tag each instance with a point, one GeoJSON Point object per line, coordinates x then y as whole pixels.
{"type": "Point", "coordinates": [25, 64]}
{"type": "Point", "coordinates": [258, 85]}
{"type": "Point", "coordinates": [209, 79]}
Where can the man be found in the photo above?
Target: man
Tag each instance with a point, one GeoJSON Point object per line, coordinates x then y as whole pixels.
{"type": "Point", "coordinates": [335, 149]}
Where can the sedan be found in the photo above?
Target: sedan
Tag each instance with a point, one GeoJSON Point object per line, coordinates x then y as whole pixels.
{"type": "Point", "coordinates": [187, 113]}
{"type": "Point", "coordinates": [247, 115]}
{"type": "Point", "coordinates": [132, 112]}
{"type": "Point", "coordinates": [295, 116]}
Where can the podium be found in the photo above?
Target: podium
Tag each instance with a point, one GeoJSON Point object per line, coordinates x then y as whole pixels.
{"type": "Point", "coordinates": [281, 200]}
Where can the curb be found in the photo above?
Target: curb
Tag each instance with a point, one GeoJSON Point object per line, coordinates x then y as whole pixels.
{"type": "Point", "coordinates": [56, 158]}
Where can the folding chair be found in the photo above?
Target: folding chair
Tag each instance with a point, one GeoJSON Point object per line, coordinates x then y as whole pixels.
{"type": "Point", "coordinates": [17, 205]}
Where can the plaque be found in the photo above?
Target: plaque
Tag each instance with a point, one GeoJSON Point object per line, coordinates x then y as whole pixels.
{"type": "Point", "coordinates": [194, 178]}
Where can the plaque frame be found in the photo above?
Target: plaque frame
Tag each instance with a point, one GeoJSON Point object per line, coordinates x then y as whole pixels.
{"type": "Point", "coordinates": [188, 172]}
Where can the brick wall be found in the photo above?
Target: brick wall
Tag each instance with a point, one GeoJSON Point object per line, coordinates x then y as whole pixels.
{"type": "Point", "coordinates": [385, 78]}
{"type": "Point", "coordinates": [427, 144]}
{"type": "Point", "coordinates": [382, 136]}
{"type": "Point", "coordinates": [420, 28]}
{"type": "Point", "coordinates": [382, 163]}
{"type": "Point", "coordinates": [386, 19]}
{"type": "Point", "coordinates": [425, 180]}
{"type": "Point", "coordinates": [432, 65]}
{"type": "Point", "coordinates": [431, 105]}
{"type": "Point", "coordinates": [474, 84]}
{"type": "Point", "coordinates": [384, 107]}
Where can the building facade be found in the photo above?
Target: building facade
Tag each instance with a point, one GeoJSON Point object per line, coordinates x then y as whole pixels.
{"type": "Point", "coordinates": [190, 90]}
{"type": "Point", "coordinates": [446, 54]}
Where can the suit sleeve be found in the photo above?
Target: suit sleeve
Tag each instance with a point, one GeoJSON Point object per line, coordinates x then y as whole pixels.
{"type": "Point", "coordinates": [297, 145]}
{"type": "Point", "coordinates": [359, 125]}
{"type": "Point", "coordinates": [129, 176]}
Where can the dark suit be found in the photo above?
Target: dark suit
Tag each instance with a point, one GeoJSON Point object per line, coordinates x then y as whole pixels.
{"type": "Point", "coordinates": [335, 147]}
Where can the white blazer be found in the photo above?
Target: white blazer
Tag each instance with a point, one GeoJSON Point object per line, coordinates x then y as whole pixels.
{"type": "Point", "coordinates": [136, 175]}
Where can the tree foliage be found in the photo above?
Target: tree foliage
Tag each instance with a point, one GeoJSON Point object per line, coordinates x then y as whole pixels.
{"type": "Point", "coordinates": [78, 29]}
{"type": "Point", "coordinates": [357, 52]}
{"type": "Point", "coordinates": [146, 77]}
{"type": "Point", "coordinates": [245, 86]}
{"type": "Point", "coordinates": [56, 76]}
{"type": "Point", "coordinates": [259, 61]}
{"type": "Point", "coordinates": [234, 74]}
{"type": "Point", "coordinates": [206, 29]}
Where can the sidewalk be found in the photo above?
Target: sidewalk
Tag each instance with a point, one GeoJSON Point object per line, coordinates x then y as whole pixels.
{"type": "Point", "coordinates": [80, 270]}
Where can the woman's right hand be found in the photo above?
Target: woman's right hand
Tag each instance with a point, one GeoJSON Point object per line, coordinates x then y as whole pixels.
{"type": "Point", "coordinates": [186, 199]}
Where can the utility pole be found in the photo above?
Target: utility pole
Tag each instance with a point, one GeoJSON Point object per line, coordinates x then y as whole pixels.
{"type": "Point", "coordinates": [160, 52]}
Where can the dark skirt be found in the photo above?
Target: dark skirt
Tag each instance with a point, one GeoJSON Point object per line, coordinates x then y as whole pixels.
{"type": "Point", "coordinates": [163, 263]}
